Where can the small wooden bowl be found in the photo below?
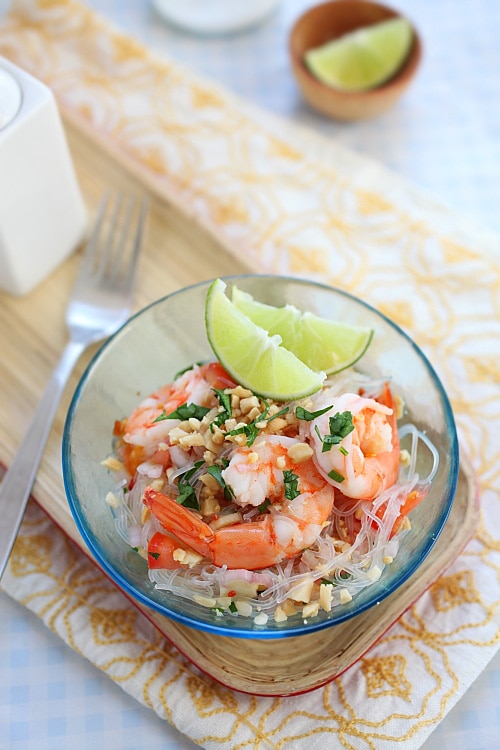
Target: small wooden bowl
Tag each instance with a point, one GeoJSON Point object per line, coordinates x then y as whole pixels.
{"type": "Point", "coordinates": [323, 23]}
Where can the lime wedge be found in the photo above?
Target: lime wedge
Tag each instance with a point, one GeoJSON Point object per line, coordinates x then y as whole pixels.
{"type": "Point", "coordinates": [251, 356]}
{"type": "Point", "coordinates": [362, 59]}
{"type": "Point", "coordinates": [322, 344]}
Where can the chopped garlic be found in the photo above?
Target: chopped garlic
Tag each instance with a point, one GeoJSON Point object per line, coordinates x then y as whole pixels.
{"type": "Point", "coordinates": [387, 560]}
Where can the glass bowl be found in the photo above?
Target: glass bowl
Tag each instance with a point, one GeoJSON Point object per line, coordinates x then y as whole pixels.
{"type": "Point", "coordinates": [168, 336]}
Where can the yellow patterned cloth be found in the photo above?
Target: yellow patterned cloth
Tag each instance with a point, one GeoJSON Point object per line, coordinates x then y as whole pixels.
{"type": "Point", "coordinates": [295, 204]}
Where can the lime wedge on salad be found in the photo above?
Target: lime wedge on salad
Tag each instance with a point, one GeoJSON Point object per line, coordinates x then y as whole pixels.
{"type": "Point", "coordinates": [252, 356]}
{"type": "Point", "coordinates": [362, 59]}
{"type": "Point", "coordinates": [322, 344]}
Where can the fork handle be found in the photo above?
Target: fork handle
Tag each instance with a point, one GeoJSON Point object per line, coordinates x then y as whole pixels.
{"type": "Point", "coordinates": [18, 481]}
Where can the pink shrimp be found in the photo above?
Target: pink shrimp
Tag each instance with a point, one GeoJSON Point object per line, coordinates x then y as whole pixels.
{"type": "Point", "coordinates": [141, 432]}
{"type": "Point", "coordinates": [285, 528]}
{"type": "Point", "coordinates": [366, 461]}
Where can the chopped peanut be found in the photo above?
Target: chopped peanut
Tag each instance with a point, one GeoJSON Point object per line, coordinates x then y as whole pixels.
{"type": "Point", "coordinates": [300, 452]}
{"type": "Point", "coordinates": [192, 440]}
{"type": "Point", "coordinates": [345, 596]}
{"type": "Point", "coordinates": [112, 500]}
{"type": "Point", "coordinates": [302, 591]}
{"type": "Point", "coordinates": [113, 464]}
{"type": "Point", "coordinates": [246, 404]}
{"type": "Point", "coordinates": [205, 601]}
{"type": "Point", "coordinates": [288, 607]}
{"type": "Point", "coordinates": [310, 610]}
{"type": "Point", "coordinates": [209, 506]}
{"type": "Point", "coordinates": [280, 614]}
{"type": "Point", "coordinates": [325, 597]}
{"type": "Point", "coordinates": [210, 482]}
{"type": "Point", "coordinates": [226, 520]}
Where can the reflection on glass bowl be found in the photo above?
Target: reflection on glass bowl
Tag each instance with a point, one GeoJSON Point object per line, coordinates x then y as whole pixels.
{"type": "Point", "coordinates": [168, 336]}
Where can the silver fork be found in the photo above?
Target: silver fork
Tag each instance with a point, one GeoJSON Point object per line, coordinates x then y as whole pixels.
{"type": "Point", "coordinates": [100, 303]}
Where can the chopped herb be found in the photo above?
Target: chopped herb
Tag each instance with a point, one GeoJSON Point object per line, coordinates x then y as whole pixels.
{"type": "Point", "coordinates": [187, 495]}
{"type": "Point", "coordinates": [308, 416]}
{"type": "Point", "coordinates": [216, 472]}
{"type": "Point", "coordinates": [226, 412]}
{"type": "Point", "coordinates": [344, 451]}
{"type": "Point", "coordinates": [217, 611]}
{"type": "Point", "coordinates": [156, 555]}
{"type": "Point", "coordinates": [280, 413]}
{"type": "Point", "coordinates": [186, 369]}
{"type": "Point", "coordinates": [291, 484]}
{"type": "Point", "coordinates": [184, 411]}
{"type": "Point", "coordinates": [326, 582]}
{"type": "Point", "coordinates": [336, 476]}
{"type": "Point", "coordinates": [232, 607]}
{"type": "Point", "coordinates": [251, 430]}
{"type": "Point", "coordinates": [341, 424]}
{"type": "Point", "coordinates": [264, 506]}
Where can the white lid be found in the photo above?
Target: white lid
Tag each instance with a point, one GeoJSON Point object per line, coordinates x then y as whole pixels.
{"type": "Point", "coordinates": [10, 98]}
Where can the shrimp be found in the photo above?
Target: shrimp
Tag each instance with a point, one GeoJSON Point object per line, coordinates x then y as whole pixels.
{"type": "Point", "coordinates": [141, 432]}
{"type": "Point", "coordinates": [365, 462]}
{"type": "Point", "coordinates": [283, 529]}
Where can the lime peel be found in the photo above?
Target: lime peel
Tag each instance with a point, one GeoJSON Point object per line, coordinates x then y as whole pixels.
{"type": "Point", "coordinates": [362, 59]}
{"type": "Point", "coordinates": [252, 356]}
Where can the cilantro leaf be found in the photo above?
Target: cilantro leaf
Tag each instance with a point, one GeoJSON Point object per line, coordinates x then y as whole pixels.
{"type": "Point", "coordinates": [226, 412]}
{"type": "Point", "coordinates": [184, 411]}
{"type": "Point", "coordinates": [251, 430]}
{"type": "Point", "coordinates": [216, 472]}
{"type": "Point", "coordinates": [291, 484]}
{"type": "Point", "coordinates": [308, 416]}
{"type": "Point", "coordinates": [341, 425]}
{"type": "Point", "coordinates": [187, 495]}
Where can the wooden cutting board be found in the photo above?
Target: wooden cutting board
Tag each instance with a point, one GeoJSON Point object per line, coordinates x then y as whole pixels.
{"type": "Point", "coordinates": [178, 252]}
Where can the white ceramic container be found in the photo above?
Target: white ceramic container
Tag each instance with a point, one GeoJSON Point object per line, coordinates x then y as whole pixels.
{"type": "Point", "coordinates": [42, 213]}
{"type": "Point", "coordinates": [215, 17]}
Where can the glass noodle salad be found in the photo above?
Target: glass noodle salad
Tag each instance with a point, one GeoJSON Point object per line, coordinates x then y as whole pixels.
{"type": "Point", "coordinates": [265, 508]}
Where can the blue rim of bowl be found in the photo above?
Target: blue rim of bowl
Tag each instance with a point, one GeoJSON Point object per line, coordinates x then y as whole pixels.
{"type": "Point", "coordinates": [258, 632]}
